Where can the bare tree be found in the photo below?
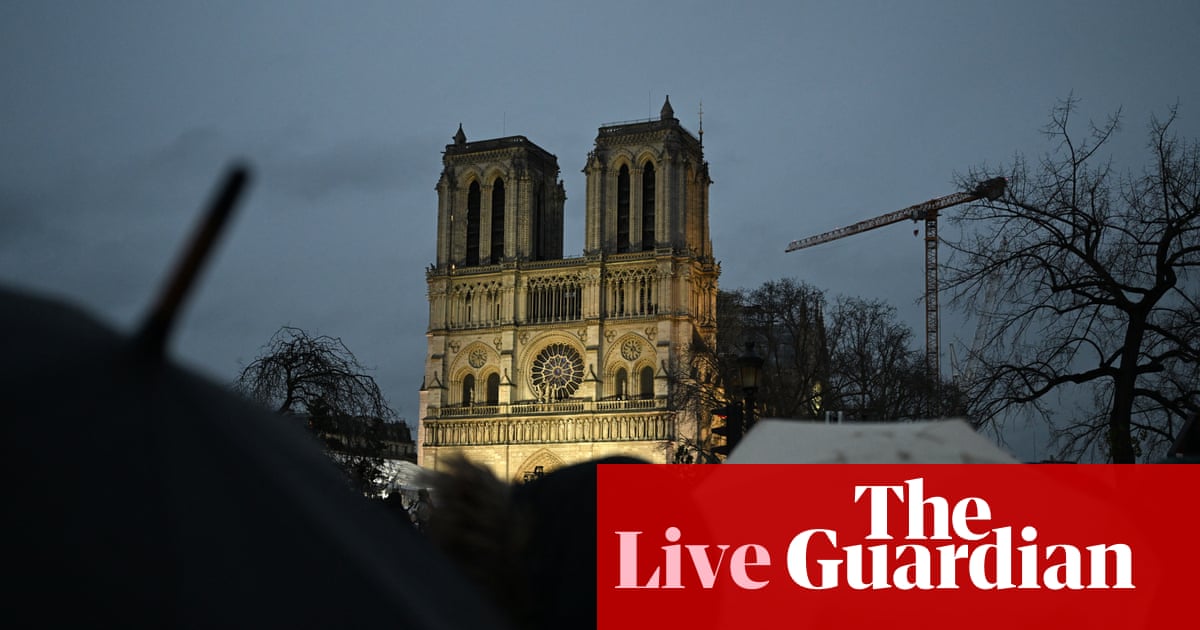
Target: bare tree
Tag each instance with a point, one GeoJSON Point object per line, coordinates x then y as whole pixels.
{"type": "Point", "coordinates": [697, 387]}
{"type": "Point", "coordinates": [782, 318]}
{"type": "Point", "coordinates": [785, 321]}
{"type": "Point", "coordinates": [875, 374]}
{"type": "Point", "coordinates": [1098, 298]}
{"type": "Point", "coordinates": [318, 380]}
{"type": "Point", "coordinates": [862, 363]}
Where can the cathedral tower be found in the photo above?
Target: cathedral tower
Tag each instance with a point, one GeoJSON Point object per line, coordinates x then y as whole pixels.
{"type": "Point", "coordinates": [498, 200]}
{"type": "Point", "coordinates": [647, 188]}
{"type": "Point", "coordinates": [536, 360]}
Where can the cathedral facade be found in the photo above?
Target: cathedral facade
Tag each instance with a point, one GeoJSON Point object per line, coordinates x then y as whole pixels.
{"type": "Point", "coordinates": [536, 360]}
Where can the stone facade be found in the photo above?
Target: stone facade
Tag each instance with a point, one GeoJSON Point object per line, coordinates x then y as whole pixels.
{"type": "Point", "coordinates": [537, 361]}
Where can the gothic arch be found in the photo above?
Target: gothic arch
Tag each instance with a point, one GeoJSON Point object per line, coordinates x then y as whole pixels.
{"type": "Point", "coordinates": [624, 205]}
{"type": "Point", "coordinates": [493, 173]}
{"type": "Point", "coordinates": [457, 390]}
{"type": "Point", "coordinates": [466, 390]}
{"type": "Point", "coordinates": [648, 182]}
{"type": "Point", "coordinates": [648, 155]}
{"type": "Point", "coordinates": [621, 157]}
{"type": "Point", "coordinates": [645, 380]}
{"type": "Point", "coordinates": [535, 344]}
{"type": "Point", "coordinates": [627, 345]}
{"type": "Point", "coordinates": [619, 383]}
{"type": "Point", "coordinates": [630, 352]}
{"type": "Point", "coordinates": [498, 202]}
{"type": "Point", "coordinates": [543, 458]}
{"type": "Point", "coordinates": [472, 225]}
{"type": "Point", "coordinates": [467, 175]}
{"type": "Point", "coordinates": [475, 358]}
{"type": "Point", "coordinates": [491, 388]}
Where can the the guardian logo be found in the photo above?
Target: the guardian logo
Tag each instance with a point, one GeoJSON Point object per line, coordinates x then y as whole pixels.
{"type": "Point", "coordinates": [974, 554]}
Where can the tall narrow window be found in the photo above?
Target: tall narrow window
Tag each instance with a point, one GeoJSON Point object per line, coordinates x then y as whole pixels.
{"type": "Point", "coordinates": [535, 238]}
{"type": "Point", "coordinates": [473, 196]}
{"type": "Point", "coordinates": [493, 389]}
{"type": "Point", "coordinates": [646, 382]}
{"type": "Point", "coordinates": [648, 207]}
{"type": "Point", "coordinates": [621, 383]}
{"type": "Point", "coordinates": [497, 221]}
{"type": "Point", "coordinates": [468, 390]}
{"type": "Point", "coordinates": [623, 209]}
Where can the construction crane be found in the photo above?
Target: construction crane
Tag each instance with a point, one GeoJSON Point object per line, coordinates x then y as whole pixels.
{"type": "Point", "coordinates": [928, 211]}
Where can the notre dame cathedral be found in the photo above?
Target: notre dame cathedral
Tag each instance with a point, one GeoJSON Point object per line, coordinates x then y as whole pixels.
{"type": "Point", "coordinates": [537, 360]}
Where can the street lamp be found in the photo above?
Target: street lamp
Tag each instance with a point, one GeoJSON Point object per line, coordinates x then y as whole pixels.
{"type": "Point", "coordinates": [750, 366]}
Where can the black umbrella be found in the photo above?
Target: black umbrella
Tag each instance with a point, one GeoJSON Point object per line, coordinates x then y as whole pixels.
{"type": "Point", "coordinates": [148, 496]}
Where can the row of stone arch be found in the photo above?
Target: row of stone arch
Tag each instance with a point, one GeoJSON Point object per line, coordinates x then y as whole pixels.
{"type": "Point", "coordinates": [624, 385]}
{"type": "Point", "coordinates": [470, 393]}
{"type": "Point", "coordinates": [643, 387]}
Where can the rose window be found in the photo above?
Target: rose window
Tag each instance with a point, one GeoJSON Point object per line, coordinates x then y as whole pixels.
{"type": "Point", "coordinates": [631, 349]}
{"type": "Point", "coordinates": [477, 358]}
{"type": "Point", "coordinates": [557, 372]}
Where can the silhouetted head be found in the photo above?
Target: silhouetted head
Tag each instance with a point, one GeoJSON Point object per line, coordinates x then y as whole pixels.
{"type": "Point", "coordinates": [531, 546]}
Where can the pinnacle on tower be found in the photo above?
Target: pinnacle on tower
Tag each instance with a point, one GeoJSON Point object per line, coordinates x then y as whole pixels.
{"type": "Point", "coordinates": [460, 137]}
{"type": "Point", "coordinates": [667, 112]}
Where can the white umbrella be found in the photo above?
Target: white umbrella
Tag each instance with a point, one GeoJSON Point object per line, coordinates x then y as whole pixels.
{"type": "Point", "coordinates": [775, 441]}
{"type": "Point", "coordinates": [399, 474]}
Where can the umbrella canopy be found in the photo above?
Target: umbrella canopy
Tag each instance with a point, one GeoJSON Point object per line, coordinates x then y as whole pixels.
{"type": "Point", "coordinates": [399, 474]}
{"type": "Point", "coordinates": [144, 495]}
{"type": "Point", "coordinates": [774, 441]}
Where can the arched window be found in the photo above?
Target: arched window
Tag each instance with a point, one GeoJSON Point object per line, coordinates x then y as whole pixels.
{"type": "Point", "coordinates": [648, 207]}
{"type": "Point", "coordinates": [473, 225]}
{"type": "Point", "coordinates": [646, 382]}
{"type": "Point", "coordinates": [621, 384]}
{"type": "Point", "coordinates": [468, 390]}
{"type": "Point", "coordinates": [623, 209]}
{"type": "Point", "coordinates": [493, 389]}
{"type": "Point", "coordinates": [538, 252]}
{"type": "Point", "coordinates": [497, 221]}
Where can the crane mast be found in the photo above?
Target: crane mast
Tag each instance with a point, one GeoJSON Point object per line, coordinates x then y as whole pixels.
{"type": "Point", "coordinates": [927, 211]}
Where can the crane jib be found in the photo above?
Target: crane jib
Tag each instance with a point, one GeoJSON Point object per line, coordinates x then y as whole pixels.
{"type": "Point", "coordinates": [991, 189]}
{"type": "Point", "coordinates": [913, 213]}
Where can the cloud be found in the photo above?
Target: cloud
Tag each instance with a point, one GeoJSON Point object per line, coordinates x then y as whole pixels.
{"type": "Point", "coordinates": [360, 166]}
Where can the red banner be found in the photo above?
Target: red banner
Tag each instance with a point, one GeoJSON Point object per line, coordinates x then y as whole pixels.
{"type": "Point", "coordinates": [898, 546]}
